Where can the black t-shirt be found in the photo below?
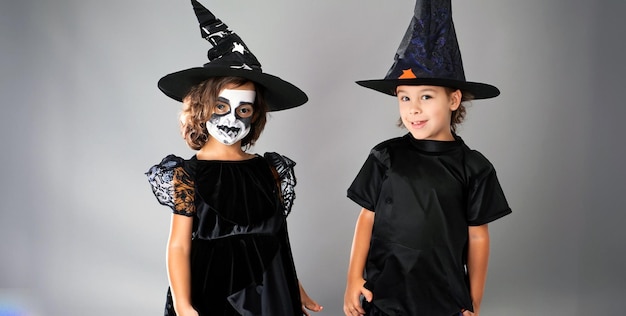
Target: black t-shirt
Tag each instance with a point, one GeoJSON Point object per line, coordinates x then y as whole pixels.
{"type": "Point", "coordinates": [425, 195]}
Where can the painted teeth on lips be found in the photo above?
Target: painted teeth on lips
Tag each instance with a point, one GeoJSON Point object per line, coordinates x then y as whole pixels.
{"type": "Point", "coordinates": [228, 129]}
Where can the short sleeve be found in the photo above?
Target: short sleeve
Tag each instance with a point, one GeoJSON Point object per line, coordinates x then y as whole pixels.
{"type": "Point", "coordinates": [284, 168]}
{"type": "Point", "coordinates": [366, 187]}
{"type": "Point", "coordinates": [485, 198]}
{"type": "Point", "coordinates": [172, 185]}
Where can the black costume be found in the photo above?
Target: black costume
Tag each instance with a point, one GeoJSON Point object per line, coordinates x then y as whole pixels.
{"type": "Point", "coordinates": [241, 261]}
{"type": "Point", "coordinates": [425, 194]}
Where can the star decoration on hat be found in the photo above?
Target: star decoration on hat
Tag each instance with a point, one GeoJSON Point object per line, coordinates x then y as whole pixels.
{"type": "Point", "coordinates": [407, 74]}
{"type": "Point", "coordinates": [239, 48]}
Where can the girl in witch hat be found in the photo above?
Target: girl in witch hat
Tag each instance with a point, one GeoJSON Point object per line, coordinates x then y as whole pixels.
{"type": "Point", "coordinates": [228, 250]}
{"type": "Point", "coordinates": [421, 241]}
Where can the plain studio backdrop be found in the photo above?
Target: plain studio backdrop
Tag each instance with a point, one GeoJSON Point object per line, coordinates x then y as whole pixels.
{"type": "Point", "coordinates": [82, 120]}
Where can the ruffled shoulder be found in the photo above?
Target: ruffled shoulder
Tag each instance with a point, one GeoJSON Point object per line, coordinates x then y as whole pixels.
{"type": "Point", "coordinates": [172, 185]}
{"type": "Point", "coordinates": [286, 177]}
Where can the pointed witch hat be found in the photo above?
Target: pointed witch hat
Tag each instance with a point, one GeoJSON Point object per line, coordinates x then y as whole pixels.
{"type": "Point", "coordinates": [230, 57]}
{"type": "Point", "coordinates": [429, 54]}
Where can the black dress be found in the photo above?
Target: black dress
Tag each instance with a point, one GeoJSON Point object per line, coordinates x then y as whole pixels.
{"type": "Point", "coordinates": [241, 261]}
{"type": "Point", "coordinates": [425, 195]}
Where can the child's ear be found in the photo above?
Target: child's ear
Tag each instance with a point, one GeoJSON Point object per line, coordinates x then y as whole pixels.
{"type": "Point", "coordinates": [455, 98]}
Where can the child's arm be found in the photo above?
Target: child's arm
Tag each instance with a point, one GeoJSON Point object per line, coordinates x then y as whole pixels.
{"type": "Point", "coordinates": [178, 269]}
{"type": "Point", "coordinates": [477, 259]}
{"type": "Point", "coordinates": [358, 256]}
{"type": "Point", "coordinates": [307, 302]}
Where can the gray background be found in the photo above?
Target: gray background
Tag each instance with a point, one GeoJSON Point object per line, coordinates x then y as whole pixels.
{"type": "Point", "coordinates": [82, 119]}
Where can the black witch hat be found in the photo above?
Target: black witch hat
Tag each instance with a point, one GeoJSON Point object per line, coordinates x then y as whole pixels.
{"type": "Point", "coordinates": [230, 57]}
{"type": "Point", "coordinates": [429, 55]}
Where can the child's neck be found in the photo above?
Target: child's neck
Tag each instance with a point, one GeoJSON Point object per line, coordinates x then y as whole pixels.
{"type": "Point", "coordinates": [214, 150]}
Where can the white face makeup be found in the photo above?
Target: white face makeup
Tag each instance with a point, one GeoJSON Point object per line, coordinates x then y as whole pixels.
{"type": "Point", "coordinates": [232, 117]}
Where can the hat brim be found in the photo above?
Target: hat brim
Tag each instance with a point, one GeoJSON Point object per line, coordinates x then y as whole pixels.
{"type": "Point", "coordinates": [279, 94]}
{"type": "Point", "coordinates": [388, 86]}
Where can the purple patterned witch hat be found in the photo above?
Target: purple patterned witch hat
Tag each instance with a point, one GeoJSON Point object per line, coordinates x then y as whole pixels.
{"type": "Point", "coordinates": [429, 54]}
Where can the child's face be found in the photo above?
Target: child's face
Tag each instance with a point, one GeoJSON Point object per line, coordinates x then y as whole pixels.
{"type": "Point", "coordinates": [231, 119]}
{"type": "Point", "coordinates": [426, 111]}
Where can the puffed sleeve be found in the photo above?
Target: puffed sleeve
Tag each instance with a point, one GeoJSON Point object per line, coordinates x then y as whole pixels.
{"type": "Point", "coordinates": [283, 166]}
{"type": "Point", "coordinates": [172, 185]}
{"type": "Point", "coordinates": [365, 188]}
{"type": "Point", "coordinates": [486, 200]}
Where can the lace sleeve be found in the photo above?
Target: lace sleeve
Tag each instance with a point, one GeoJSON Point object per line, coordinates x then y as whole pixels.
{"type": "Point", "coordinates": [172, 185]}
{"type": "Point", "coordinates": [284, 169]}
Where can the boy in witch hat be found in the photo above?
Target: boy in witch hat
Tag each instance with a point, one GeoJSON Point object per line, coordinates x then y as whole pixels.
{"type": "Point", "coordinates": [421, 243]}
{"type": "Point", "coordinates": [228, 250]}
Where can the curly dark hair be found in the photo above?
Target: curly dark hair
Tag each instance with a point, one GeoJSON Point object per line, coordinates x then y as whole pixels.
{"type": "Point", "coordinates": [199, 104]}
{"type": "Point", "coordinates": [458, 115]}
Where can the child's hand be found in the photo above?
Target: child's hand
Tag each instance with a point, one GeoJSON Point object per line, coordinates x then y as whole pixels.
{"type": "Point", "coordinates": [308, 302]}
{"type": "Point", "coordinates": [468, 313]}
{"type": "Point", "coordinates": [186, 311]}
{"type": "Point", "coordinates": [352, 297]}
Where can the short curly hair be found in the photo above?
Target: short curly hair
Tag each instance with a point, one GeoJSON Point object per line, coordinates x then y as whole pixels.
{"type": "Point", "coordinates": [198, 108]}
{"type": "Point", "coordinates": [458, 115]}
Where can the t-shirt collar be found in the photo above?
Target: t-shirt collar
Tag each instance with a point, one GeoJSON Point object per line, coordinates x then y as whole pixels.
{"type": "Point", "coordinates": [435, 146]}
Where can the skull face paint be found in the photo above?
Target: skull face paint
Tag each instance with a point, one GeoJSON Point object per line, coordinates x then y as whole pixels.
{"type": "Point", "coordinates": [232, 118]}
